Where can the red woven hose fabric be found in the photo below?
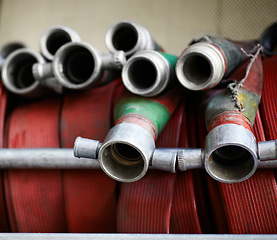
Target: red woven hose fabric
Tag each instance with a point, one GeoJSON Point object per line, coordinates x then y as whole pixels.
{"type": "Point", "coordinates": [4, 225]}
{"type": "Point", "coordinates": [34, 197]}
{"type": "Point", "coordinates": [90, 195]}
{"type": "Point", "coordinates": [144, 206]}
{"type": "Point", "coordinates": [249, 206]}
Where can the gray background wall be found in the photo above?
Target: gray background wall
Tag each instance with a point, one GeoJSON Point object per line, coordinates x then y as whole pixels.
{"type": "Point", "coordinates": [172, 23]}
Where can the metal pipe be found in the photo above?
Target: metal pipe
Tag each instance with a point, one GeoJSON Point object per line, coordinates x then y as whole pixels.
{"type": "Point", "coordinates": [148, 73]}
{"type": "Point", "coordinates": [203, 64]}
{"type": "Point", "coordinates": [129, 37]}
{"type": "Point", "coordinates": [230, 148]}
{"type": "Point", "coordinates": [44, 158]}
{"type": "Point", "coordinates": [55, 37]}
{"type": "Point", "coordinates": [78, 65]}
{"type": "Point", "coordinates": [18, 77]}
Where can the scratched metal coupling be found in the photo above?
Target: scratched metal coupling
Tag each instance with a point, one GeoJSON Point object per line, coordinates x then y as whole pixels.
{"type": "Point", "coordinates": [55, 37]}
{"type": "Point", "coordinates": [18, 77]}
{"type": "Point", "coordinates": [148, 73]}
{"type": "Point", "coordinates": [78, 65]}
{"type": "Point", "coordinates": [129, 37]}
{"type": "Point", "coordinates": [204, 63]}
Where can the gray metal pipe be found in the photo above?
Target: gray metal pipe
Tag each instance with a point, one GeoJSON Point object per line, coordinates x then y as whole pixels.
{"type": "Point", "coordinates": [44, 158]}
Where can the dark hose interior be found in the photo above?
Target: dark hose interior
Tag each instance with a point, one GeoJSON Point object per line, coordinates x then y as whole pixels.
{"type": "Point", "coordinates": [231, 162]}
{"type": "Point", "coordinates": [142, 74]}
{"type": "Point", "coordinates": [78, 65]}
{"type": "Point", "coordinates": [56, 40]}
{"type": "Point", "coordinates": [125, 38]}
{"type": "Point", "coordinates": [22, 74]}
{"type": "Point", "coordinates": [197, 69]}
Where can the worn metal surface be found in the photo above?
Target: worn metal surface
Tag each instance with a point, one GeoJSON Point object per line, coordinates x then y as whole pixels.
{"type": "Point", "coordinates": [148, 73]}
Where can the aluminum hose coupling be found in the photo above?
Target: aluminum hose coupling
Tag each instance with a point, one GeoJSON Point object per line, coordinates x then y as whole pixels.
{"type": "Point", "coordinates": [203, 64]}
{"type": "Point", "coordinates": [129, 37]}
{"type": "Point", "coordinates": [18, 76]}
{"type": "Point", "coordinates": [55, 37]}
{"type": "Point", "coordinates": [148, 73]}
{"type": "Point", "coordinates": [78, 65]}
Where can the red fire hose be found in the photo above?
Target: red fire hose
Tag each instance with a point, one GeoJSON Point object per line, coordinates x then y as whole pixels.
{"type": "Point", "coordinates": [90, 195]}
{"type": "Point", "coordinates": [34, 197]}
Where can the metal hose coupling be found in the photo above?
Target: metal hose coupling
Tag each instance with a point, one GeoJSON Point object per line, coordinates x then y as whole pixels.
{"type": "Point", "coordinates": [78, 65]}
{"type": "Point", "coordinates": [231, 147]}
{"type": "Point", "coordinates": [148, 73]}
{"type": "Point", "coordinates": [7, 49]}
{"type": "Point", "coordinates": [18, 76]}
{"type": "Point", "coordinates": [128, 148]}
{"type": "Point", "coordinates": [129, 37]}
{"type": "Point", "coordinates": [204, 63]}
{"type": "Point", "coordinates": [55, 37]}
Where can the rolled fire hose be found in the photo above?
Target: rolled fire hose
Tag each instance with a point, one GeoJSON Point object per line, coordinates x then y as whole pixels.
{"type": "Point", "coordinates": [4, 221]}
{"type": "Point", "coordinates": [129, 37]}
{"type": "Point", "coordinates": [249, 207]}
{"type": "Point", "coordinates": [55, 37]}
{"type": "Point", "coordinates": [78, 65]}
{"type": "Point", "coordinates": [206, 61]}
{"type": "Point", "coordinates": [148, 73]}
{"type": "Point", "coordinates": [90, 195]}
{"type": "Point", "coordinates": [34, 198]}
{"type": "Point", "coordinates": [127, 149]}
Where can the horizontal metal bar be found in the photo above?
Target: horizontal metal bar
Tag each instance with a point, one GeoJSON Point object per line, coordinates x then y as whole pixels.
{"type": "Point", "coordinates": [66, 236]}
{"type": "Point", "coordinates": [45, 158]}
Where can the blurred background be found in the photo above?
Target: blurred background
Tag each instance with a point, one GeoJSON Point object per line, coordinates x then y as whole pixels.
{"type": "Point", "coordinates": [172, 23]}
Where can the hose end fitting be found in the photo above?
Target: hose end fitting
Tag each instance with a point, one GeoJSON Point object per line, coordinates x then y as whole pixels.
{"type": "Point", "coordinates": [86, 148]}
{"type": "Point", "coordinates": [126, 152]}
{"type": "Point", "coordinates": [201, 66]}
{"type": "Point", "coordinates": [55, 37]}
{"type": "Point", "coordinates": [147, 73]}
{"type": "Point", "coordinates": [230, 153]}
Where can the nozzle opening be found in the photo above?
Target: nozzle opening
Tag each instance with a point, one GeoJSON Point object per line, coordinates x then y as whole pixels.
{"type": "Point", "coordinates": [78, 64]}
{"type": "Point", "coordinates": [125, 37]}
{"type": "Point", "coordinates": [142, 74]}
{"type": "Point", "coordinates": [21, 71]}
{"type": "Point", "coordinates": [56, 40]}
{"type": "Point", "coordinates": [197, 69]}
{"type": "Point", "coordinates": [122, 162]}
{"type": "Point", "coordinates": [231, 163]}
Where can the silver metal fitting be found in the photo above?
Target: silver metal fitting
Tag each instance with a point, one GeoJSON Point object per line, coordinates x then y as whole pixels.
{"type": "Point", "coordinates": [55, 37]}
{"type": "Point", "coordinates": [7, 49]}
{"type": "Point", "coordinates": [190, 158]}
{"type": "Point", "coordinates": [267, 150]}
{"type": "Point", "coordinates": [230, 153]}
{"type": "Point", "coordinates": [164, 159]}
{"type": "Point", "coordinates": [147, 73]}
{"type": "Point", "coordinates": [79, 65]}
{"type": "Point", "coordinates": [200, 66]}
{"type": "Point", "coordinates": [86, 148]}
{"type": "Point", "coordinates": [126, 152]}
{"type": "Point", "coordinates": [129, 37]}
{"type": "Point", "coordinates": [17, 74]}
